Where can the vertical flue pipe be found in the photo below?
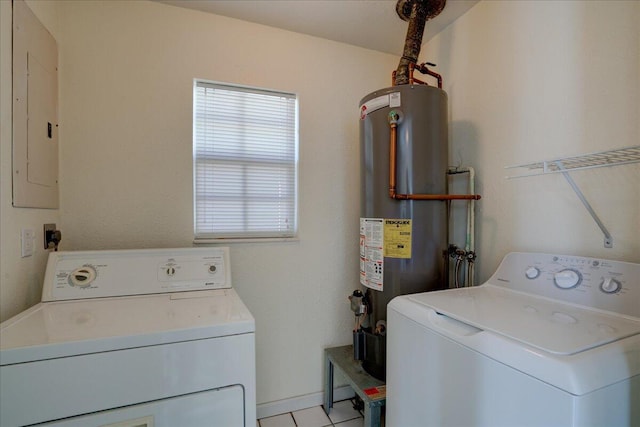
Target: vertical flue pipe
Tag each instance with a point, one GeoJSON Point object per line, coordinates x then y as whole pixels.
{"type": "Point", "coordinates": [417, 12]}
{"type": "Point", "coordinates": [413, 42]}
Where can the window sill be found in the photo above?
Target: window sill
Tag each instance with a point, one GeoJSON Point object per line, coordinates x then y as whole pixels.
{"type": "Point", "coordinates": [247, 240]}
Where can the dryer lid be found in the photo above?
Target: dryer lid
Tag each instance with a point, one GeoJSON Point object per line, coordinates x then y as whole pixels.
{"type": "Point", "coordinates": [70, 328]}
{"type": "Point", "coordinates": [552, 326]}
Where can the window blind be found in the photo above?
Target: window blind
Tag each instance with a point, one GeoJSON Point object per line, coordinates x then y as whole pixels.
{"type": "Point", "coordinates": [245, 162]}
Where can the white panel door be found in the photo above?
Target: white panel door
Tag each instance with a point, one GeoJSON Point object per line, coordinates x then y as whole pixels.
{"type": "Point", "coordinates": [221, 407]}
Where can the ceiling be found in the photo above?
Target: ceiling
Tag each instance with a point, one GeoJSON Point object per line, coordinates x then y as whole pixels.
{"type": "Point", "coordinates": [372, 24]}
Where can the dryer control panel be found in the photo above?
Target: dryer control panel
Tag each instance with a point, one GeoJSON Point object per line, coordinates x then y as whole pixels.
{"type": "Point", "coordinates": [95, 274]}
{"type": "Point", "coordinates": [593, 282]}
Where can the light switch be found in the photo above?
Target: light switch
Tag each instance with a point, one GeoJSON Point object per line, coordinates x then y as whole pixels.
{"type": "Point", "coordinates": [27, 242]}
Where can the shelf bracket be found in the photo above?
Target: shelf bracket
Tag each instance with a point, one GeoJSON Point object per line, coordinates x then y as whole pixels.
{"type": "Point", "coordinates": [608, 240]}
{"type": "Point", "coordinates": [616, 157]}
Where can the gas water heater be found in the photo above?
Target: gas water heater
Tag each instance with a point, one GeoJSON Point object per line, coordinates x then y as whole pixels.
{"type": "Point", "coordinates": [403, 240]}
{"type": "Point", "coordinates": [404, 198]}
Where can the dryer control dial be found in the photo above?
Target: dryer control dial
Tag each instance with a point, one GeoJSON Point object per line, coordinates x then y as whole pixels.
{"type": "Point", "coordinates": [83, 276]}
{"type": "Point", "coordinates": [567, 278]}
{"type": "Point", "coordinates": [610, 285]}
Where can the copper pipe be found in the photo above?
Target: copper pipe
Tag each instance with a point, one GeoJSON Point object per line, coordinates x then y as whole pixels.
{"type": "Point", "coordinates": [424, 70]}
{"type": "Point", "coordinates": [419, 81]}
{"type": "Point", "coordinates": [436, 196]}
{"type": "Point", "coordinates": [393, 142]}
{"type": "Point", "coordinates": [392, 160]}
{"type": "Point", "coordinates": [411, 68]}
{"type": "Point", "coordinates": [413, 80]}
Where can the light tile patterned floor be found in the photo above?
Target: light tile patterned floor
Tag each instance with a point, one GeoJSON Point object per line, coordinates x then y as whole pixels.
{"type": "Point", "coordinates": [341, 415]}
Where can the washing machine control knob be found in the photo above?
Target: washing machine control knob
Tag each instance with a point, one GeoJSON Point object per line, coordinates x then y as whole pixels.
{"type": "Point", "coordinates": [83, 276]}
{"type": "Point", "coordinates": [567, 278]}
{"type": "Point", "coordinates": [532, 272]}
{"type": "Point", "coordinates": [610, 285]}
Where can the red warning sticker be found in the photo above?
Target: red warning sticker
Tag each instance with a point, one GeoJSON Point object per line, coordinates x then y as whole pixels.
{"type": "Point", "coordinates": [376, 392]}
{"type": "Point", "coordinates": [373, 104]}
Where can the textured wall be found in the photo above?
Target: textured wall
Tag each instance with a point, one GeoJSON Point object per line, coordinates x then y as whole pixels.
{"type": "Point", "coordinates": [530, 81]}
{"type": "Point", "coordinates": [126, 176]}
{"type": "Point", "coordinates": [20, 278]}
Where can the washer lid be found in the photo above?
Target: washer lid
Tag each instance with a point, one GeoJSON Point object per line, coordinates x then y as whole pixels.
{"type": "Point", "coordinates": [70, 328]}
{"type": "Point", "coordinates": [545, 324]}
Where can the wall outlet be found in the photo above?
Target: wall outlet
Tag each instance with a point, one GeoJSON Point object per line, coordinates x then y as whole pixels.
{"type": "Point", "coordinates": [52, 237]}
{"type": "Point", "coordinates": [27, 242]}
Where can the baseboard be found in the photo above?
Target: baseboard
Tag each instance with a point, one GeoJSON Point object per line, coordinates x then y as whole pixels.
{"type": "Point", "coordinates": [297, 403]}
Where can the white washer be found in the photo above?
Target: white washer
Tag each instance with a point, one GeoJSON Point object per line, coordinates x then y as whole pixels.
{"type": "Point", "coordinates": [549, 340]}
{"type": "Point", "coordinates": [131, 338]}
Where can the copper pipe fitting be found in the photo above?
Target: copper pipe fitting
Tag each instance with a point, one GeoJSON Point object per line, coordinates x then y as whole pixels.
{"type": "Point", "coordinates": [424, 70]}
{"type": "Point", "coordinates": [392, 160]}
{"type": "Point", "coordinates": [413, 80]}
{"type": "Point", "coordinates": [393, 142]}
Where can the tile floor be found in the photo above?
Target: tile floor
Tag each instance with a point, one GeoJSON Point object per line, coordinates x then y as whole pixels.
{"type": "Point", "coordinates": [341, 415]}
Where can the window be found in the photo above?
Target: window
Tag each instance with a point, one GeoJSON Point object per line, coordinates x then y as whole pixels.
{"type": "Point", "coordinates": [245, 162]}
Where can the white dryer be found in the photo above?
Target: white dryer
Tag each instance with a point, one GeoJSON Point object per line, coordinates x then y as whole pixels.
{"type": "Point", "coordinates": [549, 340]}
{"type": "Point", "coordinates": [131, 338]}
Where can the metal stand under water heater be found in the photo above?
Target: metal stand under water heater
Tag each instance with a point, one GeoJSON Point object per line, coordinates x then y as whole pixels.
{"type": "Point", "coordinates": [403, 224]}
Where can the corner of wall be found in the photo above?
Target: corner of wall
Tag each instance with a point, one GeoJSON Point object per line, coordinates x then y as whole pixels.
{"type": "Point", "coordinates": [20, 278]}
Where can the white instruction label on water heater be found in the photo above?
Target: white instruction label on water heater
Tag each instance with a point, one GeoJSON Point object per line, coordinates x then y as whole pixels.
{"type": "Point", "coordinates": [394, 99]}
{"type": "Point", "coordinates": [372, 252]}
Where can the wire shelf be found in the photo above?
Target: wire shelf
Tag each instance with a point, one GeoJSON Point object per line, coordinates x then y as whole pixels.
{"type": "Point", "coordinates": [620, 156]}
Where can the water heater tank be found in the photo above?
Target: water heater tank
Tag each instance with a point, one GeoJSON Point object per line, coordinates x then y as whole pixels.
{"type": "Point", "coordinates": [402, 242]}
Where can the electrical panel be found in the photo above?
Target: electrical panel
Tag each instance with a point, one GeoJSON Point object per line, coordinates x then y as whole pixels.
{"type": "Point", "coordinates": [35, 111]}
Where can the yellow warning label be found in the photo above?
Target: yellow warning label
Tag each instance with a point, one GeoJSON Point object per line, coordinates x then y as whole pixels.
{"type": "Point", "coordinates": [397, 238]}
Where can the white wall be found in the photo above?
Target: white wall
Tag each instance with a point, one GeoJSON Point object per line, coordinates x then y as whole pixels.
{"type": "Point", "coordinates": [20, 278]}
{"type": "Point", "coordinates": [127, 70]}
{"type": "Point", "coordinates": [534, 80]}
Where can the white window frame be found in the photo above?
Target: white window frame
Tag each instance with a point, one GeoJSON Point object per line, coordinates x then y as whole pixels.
{"type": "Point", "coordinates": [215, 193]}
